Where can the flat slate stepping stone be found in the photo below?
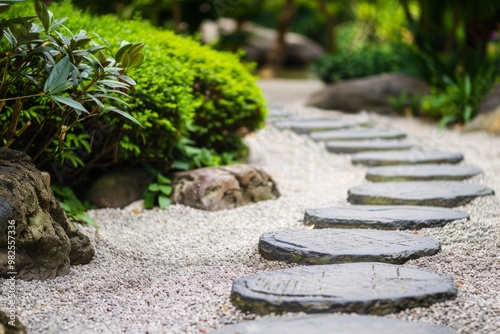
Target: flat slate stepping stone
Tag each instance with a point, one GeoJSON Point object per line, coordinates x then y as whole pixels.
{"type": "Point", "coordinates": [357, 134]}
{"type": "Point", "coordinates": [382, 217]}
{"type": "Point", "coordinates": [305, 127]}
{"type": "Point", "coordinates": [421, 172]}
{"type": "Point", "coordinates": [411, 157]}
{"type": "Point", "coordinates": [436, 193]}
{"type": "Point", "coordinates": [344, 246]}
{"type": "Point", "coordinates": [365, 288]}
{"type": "Point", "coordinates": [287, 123]}
{"type": "Point", "coordinates": [356, 146]}
{"type": "Point", "coordinates": [332, 324]}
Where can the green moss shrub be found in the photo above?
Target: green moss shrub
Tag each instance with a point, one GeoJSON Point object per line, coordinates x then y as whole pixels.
{"type": "Point", "coordinates": [185, 93]}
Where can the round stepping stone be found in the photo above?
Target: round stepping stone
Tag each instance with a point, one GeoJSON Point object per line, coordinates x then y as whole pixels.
{"type": "Point", "coordinates": [381, 217]}
{"type": "Point", "coordinates": [421, 172]}
{"type": "Point", "coordinates": [357, 134]}
{"type": "Point", "coordinates": [363, 146]}
{"type": "Point", "coordinates": [365, 288]}
{"type": "Point", "coordinates": [305, 127]}
{"type": "Point", "coordinates": [327, 323]}
{"type": "Point", "coordinates": [344, 246]}
{"type": "Point", "coordinates": [411, 157]}
{"type": "Point", "coordinates": [437, 193]}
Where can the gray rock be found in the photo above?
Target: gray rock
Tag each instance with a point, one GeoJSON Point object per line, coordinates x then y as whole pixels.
{"type": "Point", "coordinates": [435, 193]}
{"type": "Point", "coordinates": [46, 241]}
{"type": "Point", "coordinates": [225, 187]}
{"type": "Point", "coordinates": [6, 328]}
{"type": "Point", "coordinates": [357, 134]}
{"type": "Point", "coordinates": [411, 157]}
{"type": "Point", "coordinates": [373, 93]}
{"type": "Point", "coordinates": [288, 123]}
{"type": "Point", "coordinates": [364, 288]}
{"type": "Point", "coordinates": [363, 146]}
{"type": "Point", "coordinates": [491, 102]}
{"type": "Point", "coordinates": [421, 173]}
{"type": "Point", "coordinates": [489, 122]}
{"type": "Point", "coordinates": [304, 127]}
{"type": "Point", "coordinates": [334, 324]}
{"type": "Point", "coordinates": [118, 188]}
{"type": "Point", "coordinates": [381, 217]}
{"type": "Point", "coordinates": [344, 246]}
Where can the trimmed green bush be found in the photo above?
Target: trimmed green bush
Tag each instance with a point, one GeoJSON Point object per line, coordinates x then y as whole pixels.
{"type": "Point", "coordinates": [184, 91]}
{"type": "Point", "coordinates": [359, 63]}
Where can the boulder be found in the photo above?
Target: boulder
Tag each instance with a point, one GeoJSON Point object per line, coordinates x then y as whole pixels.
{"type": "Point", "coordinates": [6, 325]}
{"type": "Point", "coordinates": [491, 102]}
{"type": "Point", "coordinates": [46, 241]}
{"type": "Point", "coordinates": [372, 93]}
{"type": "Point", "coordinates": [225, 187]}
{"type": "Point", "coordinates": [486, 122]}
{"type": "Point", "coordinates": [300, 51]}
{"type": "Point", "coordinates": [118, 188]}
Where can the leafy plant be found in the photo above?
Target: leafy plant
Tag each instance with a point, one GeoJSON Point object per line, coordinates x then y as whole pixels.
{"type": "Point", "coordinates": [408, 104]}
{"type": "Point", "coordinates": [74, 208]}
{"type": "Point", "coordinates": [158, 192]}
{"type": "Point", "coordinates": [67, 79]}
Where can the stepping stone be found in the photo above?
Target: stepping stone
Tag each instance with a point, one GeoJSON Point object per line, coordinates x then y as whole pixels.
{"type": "Point", "coordinates": [381, 217]}
{"type": "Point", "coordinates": [344, 246]}
{"type": "Point", "coordinates": [365, 288]}
{"type": "Point", "coordinates": [421, 172]}
{"type": "Point", "coordinates": [338, 324]}
{"type": "Point", "coordinates": [356, 146]}
{"type": "Point", "coordinates": [411, 157]}
{"type": "Point", "coordinates": [437, 193]}
{"type": "Point", "coordinates": [305, 127]}
{"type": "Point", "coordinates": [357, 134]}
{"type": "Point", "coordinates": [287, 123]}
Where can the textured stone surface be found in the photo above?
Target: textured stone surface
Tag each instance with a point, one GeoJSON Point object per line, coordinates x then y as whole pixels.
{"type": "Point", "coordinates": [46, 241]}
{"type": "Point", "coordinates": [363, 146]}
{"type": "Point", "coordinates": [357, 134]}
{"type": "Point", "coordinates": [392, 217]}
{"type": "Point", "coordinates": [6, 328]}
{"type": "Point", "coordinates": [421, 172]}
{"type": "Point", "coordinates": [373, 93]}
{"type": "Point", "coordinates": [435, 193]}
{"type": "Point", "coordinates": [365, 288]}
{"type": "Point", "coordinates": [304, 127]}
{"type": "Point", "coordinates": [118, 188]}
{"type": "Point", "coordinates": [344, 246]}
{"type": "Point", "coordinates": [335, 324]}
{"type": "Point", "coordinates": [411, 157]}
{"type": "Point", "coordinates": [286, 123]}
{"type": "Point", "coordinates": [225, 187]}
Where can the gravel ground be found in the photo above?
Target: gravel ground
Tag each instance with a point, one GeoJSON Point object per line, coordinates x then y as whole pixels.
{"type": "Point", "coordinates": [170, 271]}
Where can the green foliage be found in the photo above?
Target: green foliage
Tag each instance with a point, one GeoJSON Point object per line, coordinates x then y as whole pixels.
{"type": "Point", "coordinates": [52, 83]}
{"type": "Point", "coordinates": [74, 208]}
{"type": "Point", "coordinates": [158, 192]}
{"type": "Point", "coordinates": [358, 63]}
{"type": "Point", "coordinates": [183, 90]}
{"type": "Point", "coordinates": [408, 104]}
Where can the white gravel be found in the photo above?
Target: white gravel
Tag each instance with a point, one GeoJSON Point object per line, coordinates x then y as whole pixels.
{"type": "Point", "coordinates": [170, 271]}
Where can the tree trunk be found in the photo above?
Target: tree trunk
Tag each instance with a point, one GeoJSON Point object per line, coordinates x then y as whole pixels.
{"type": "Point", "coordinates": [176, 14]}
{"type": "Point", "coordinates": [275, 55]}
{"type": "Point", "coordinates": [330, 25]}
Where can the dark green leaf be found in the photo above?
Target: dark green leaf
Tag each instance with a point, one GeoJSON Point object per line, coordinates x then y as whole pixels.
{"type": "Point", "coordinates": [70, 103]}
{"type": "Point", "coordinates": [163, 180]}
{"type": "Point", "coordinates": [58, 75]}
{"type": "Point", "coordinates": [163, 201]}
{"type": "Point", "coordinates": [166, 190]}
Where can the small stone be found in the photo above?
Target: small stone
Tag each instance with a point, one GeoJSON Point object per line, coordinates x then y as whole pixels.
{"type": "Point", "coordinates": [363, 146]}
{"type": "Point", "coordinates": [391, 217]}
{"type": "Point", "coordinates": [411, 157]}
{"type": "Point", "coordinates": [364, 288]}
{"type": "Point", "coordinates": [325, 323]}
{"type": "Point", "coordinates": [436, 193]}
{"type": "Point", "coordinates": [343, 246]}
{"type": "Point", "coordinates": [357, 134]}
{"type": "Point", "coordinates": [421, 172]}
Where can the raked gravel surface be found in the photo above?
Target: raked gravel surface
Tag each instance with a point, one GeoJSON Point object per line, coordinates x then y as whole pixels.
{"type": "Point", "coordinates": [170, 271]}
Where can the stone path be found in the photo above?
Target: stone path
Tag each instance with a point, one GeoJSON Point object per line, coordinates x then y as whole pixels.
{"type": "Point", "coordinates": [421, 173]}
{"type": "Point", "coordinates": [363, 288]}
{"type": "Point", "coordinates": [324, 323]}
{"type": "Point", "coordinates": [381, 217]}
{"type": "Point", "coordinates": [344, 246]}
{"type": "Point", "coordinates": [346, 240]}
{"type": "Point", "coordinates": [362, 146]}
